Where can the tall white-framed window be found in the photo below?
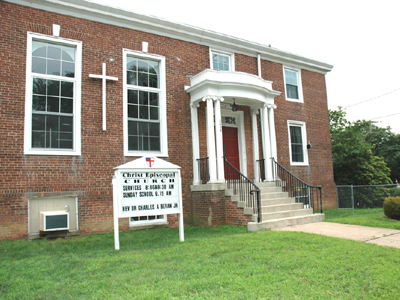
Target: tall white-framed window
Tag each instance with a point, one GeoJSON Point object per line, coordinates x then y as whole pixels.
{"type": "Point", "coordinates": [293, 86]}
{"type": "Point", "coordinates": [145, 113]}
{"type": "Point", "coordinates": [53, 96]}
{"type": "Point", "coordinates": [298, 143]}
{"type": "Point", "coordinates": [222, 61]}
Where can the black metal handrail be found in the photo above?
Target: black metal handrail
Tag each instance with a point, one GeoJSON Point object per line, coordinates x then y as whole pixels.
{"type": "Point", "coordinates": [204, 174]}
{"type": "Point", "coordinates": [246, 189]}
{"type": "Point", "coordinates": [309, 195]}
{"type": "Point", "coordinates": [261, 169]}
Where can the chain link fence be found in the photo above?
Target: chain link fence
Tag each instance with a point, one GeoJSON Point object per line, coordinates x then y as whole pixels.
{"type": "Point", "coordinates": [365, 196]}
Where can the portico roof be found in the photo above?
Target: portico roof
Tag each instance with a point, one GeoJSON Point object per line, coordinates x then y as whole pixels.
{"type": "Point", "coordinates": [247, 89]}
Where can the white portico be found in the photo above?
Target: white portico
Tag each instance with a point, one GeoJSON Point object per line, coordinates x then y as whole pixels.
{"type": "Point", "coordinates": [219, 90]}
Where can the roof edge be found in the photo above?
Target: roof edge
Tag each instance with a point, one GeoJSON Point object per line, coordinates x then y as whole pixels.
{"type": "Point", "coordinates": [159, 26]}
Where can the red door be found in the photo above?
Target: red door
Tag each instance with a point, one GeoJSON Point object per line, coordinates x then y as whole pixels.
{"type": "Point", "coordinates": [231, 146]}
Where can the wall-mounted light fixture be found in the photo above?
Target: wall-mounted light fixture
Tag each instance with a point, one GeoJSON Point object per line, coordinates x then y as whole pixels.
{"type": "Point", "coordinates": [234, 106]}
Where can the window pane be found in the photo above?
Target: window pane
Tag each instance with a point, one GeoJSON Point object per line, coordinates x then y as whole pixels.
{"type": "Point", "coordinates": [155, 129]}
{"type": "Point", "coordinates": [131, 64]}
{"type": "Point", "coordinates": [143, 129]}
{"type": "Point", "coordinates": [53, 88]}
{"type": "Point", "coordinates": [39, 86]}
{"type": "Point", "coordinates": [296, 144]}
{"type": "Point", "coordinates": [39, 103]}
{"type": "Point", "coordinates": [68, 69]}
{"type": "Point", "coordinates": [143, 98]}
{"type": "Point", "coordinates": [131, 78]}
{"type": "Point", "coordinates": [292, 91]}
{"type": "Point", "coordinates": [133, 111]}
{"type": "Point", "coordinates": [67, 89]}
{"type": "Point", "coordinates": [38, 122]}
{"type": "Point", "coordinates": [39, 65]}
{"type": "Point", "coordinates": [53, 104]}
{"type": "Point", "coordinates": [154, 144]}
{"type": "Point", "coordinates": [220, 62]}
{"type": "Point", "coordinates": [153, 99]}
{"type": "Point", "coordinates": [132, 128]}
{"type": "Point", "coordinates": [143, 66]}
{"type": "Point", "coordinates": [143, 79]}
{"type": "Point", "coordinates": [132, 97]}
{"type": "Point", "coordinates": [153, 113]}
{"type": "Point", "coordinates": [291, 77]}
{"type": "Point", "coordinates": [66, 105]}
{"type": "Point", "coordinates": [38, 139]}
{"type": "Point", "coordinates": [53, 67]}
{"type": "Point", "coordinates": [54, 52]}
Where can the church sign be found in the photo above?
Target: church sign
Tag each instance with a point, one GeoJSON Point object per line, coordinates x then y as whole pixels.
{"type": "Point", "coordinates": [147, 186]}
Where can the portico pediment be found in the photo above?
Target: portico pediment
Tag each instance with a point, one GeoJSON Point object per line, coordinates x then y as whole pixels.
{"type": "Point", "coordinates": [247, 89]}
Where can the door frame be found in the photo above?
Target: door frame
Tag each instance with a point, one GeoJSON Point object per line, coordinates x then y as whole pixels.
{"type": "Point", "coordinates": [237, 122]}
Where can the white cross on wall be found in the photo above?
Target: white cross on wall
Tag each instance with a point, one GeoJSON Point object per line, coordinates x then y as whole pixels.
{"type": "Point", "coordinates": [104, 77]}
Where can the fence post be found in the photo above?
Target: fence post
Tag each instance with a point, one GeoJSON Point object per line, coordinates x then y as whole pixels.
{"type": "Point", "coordinates": [352, 196]}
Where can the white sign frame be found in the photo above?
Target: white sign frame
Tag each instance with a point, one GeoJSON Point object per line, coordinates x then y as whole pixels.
{"type": "Point", "coordinates": [147, 184]}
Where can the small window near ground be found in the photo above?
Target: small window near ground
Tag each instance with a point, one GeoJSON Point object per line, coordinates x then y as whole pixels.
{"type": "Point", "coordinates": [148, 220]}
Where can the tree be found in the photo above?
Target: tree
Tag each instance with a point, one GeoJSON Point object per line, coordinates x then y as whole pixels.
{"type": "Point", "coordinates": [353, 159]}
{"type": "Point", "coordinates": [386, 144]}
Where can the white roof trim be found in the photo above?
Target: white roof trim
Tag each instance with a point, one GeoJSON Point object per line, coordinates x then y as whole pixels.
{"type": "Point", "coordinates": [123, 18]}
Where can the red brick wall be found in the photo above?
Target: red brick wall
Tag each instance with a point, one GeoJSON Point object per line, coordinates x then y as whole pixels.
{"type": "Point", "coordinates": [213, 208]}
{"type": "Point", "coordinates": [101, 150]}
{"type": "Point", "coordinates": [314, 112]}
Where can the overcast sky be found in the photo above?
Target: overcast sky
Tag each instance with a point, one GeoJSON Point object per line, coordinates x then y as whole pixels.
{"type": "Point", "coordinates": [359, 38]}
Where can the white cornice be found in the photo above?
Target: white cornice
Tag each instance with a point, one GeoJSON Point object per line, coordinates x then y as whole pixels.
{"type": "Point", "coordinates": [123, 18]}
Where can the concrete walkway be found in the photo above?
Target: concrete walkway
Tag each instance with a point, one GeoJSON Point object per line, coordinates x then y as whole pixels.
{"type": "Point", "coordinates": [373, 235]}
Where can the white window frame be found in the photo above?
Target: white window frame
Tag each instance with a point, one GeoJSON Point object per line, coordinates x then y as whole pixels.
{"type": "Point", "coordinates": [299, 84]}
{"type": "Point", "coordinates": [302, 125]}
{"type": "Point", "coordinates": [230, 55]}
{"type": "Point", "coordinates": [162, 100]}
{"type": "Point", "coordinates": [162, 221]}
{"type": "Point", "coordinates": [28, 150]}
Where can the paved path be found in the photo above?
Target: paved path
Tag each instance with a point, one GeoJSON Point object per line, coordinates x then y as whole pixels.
{"type": "Point", "coordinates": [373, 235]}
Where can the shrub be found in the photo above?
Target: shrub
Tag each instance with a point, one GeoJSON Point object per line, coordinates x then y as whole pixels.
{"type": "Point", "coordinates": [394, 192]}
{"type": "Point", "coordinates": [391, 207]}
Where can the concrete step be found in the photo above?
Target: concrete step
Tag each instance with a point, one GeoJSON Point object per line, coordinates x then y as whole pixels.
{"type": "Point", "coordinates": [270, 190]}
{"type": "Point", "coordinates": [268, 202]}
{"type": "Point", "coordinates": [281, 207]}
{"type": "Point", "coordinates": [285, 222]}
{"type": "Point", "coordinates": [265, 184]}
{"type": "Point", "coordinates": [266, 196]}
{"type": "Point", "coordinates": [286, 214]}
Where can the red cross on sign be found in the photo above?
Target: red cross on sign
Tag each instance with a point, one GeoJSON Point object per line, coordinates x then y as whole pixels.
{"type": "Point", "coordinates": [150, 161]}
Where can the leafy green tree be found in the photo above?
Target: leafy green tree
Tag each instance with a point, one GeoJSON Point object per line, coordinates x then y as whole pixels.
{"type": "Point", "coordinates": [386, 144]}
{"type": "Point", "coordinates": [353, 159]}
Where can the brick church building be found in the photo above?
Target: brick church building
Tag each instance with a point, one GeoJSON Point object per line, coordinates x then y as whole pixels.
{"type": "Point", "coordinates": [85, 88]}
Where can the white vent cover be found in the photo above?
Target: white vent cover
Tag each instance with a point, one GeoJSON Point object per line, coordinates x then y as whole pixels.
{"type": "Point", "coordinates": [54, 220]}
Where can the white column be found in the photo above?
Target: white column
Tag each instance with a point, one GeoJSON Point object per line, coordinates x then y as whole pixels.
{"type": "Point", "coordinates": [218, 139]}
{"type": "Point", "coordinates": [195, 143]}
{"type": "Point", "coordinates": [211, 140]}
{"type": "Point", "coordinates": [266, 145]}
{"type": "Point", "coordinates": [255, 145]}
{"type": "Point", "coordinates": [271, 122]}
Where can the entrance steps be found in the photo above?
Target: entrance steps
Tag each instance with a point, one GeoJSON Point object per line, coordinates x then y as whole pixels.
{"type": "Point", "coordinates": [279, 210]}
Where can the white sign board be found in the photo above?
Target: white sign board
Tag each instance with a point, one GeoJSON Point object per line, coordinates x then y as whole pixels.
{"type": "Point", "coordinates": [147, 186]}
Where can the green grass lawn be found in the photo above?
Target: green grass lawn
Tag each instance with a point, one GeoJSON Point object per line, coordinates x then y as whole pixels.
{"type": "Point", "coordinates": [373, 217]}
{"type": "Point", "coordinates": [213, 263]}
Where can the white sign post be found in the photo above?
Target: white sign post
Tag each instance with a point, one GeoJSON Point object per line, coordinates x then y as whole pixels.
{"type": "Point", "coordinates": [147, 186]}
